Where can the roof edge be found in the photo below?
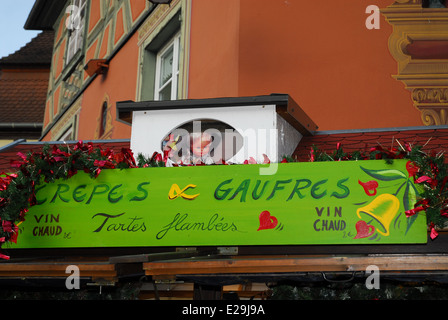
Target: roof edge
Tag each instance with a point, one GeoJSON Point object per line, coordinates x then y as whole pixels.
{"type": "Point", "coordinates": [43, 14]}
{"type": "Point", "coordinates": [12, 145]}
{"type": "Point", "coordinates": [21, 125]}
{"type": "Point", "coordinates": [286, 107]}
{"type": "Point", "coordinates": [387, 129]}
{"type": "Point", "coordinates": [75, 142]}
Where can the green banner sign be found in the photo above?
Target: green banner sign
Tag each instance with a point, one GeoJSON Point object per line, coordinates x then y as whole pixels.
{"type": "Point", "coordinates": [350, 202]}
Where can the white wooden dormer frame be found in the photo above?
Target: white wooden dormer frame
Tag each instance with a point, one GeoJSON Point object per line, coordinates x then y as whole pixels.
{"type": "Point", "coordinates": [272, 125]}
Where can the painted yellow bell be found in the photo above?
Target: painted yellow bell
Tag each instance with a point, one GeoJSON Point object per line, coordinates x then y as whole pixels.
{"type": "Point", "coordinates": [382, 209]}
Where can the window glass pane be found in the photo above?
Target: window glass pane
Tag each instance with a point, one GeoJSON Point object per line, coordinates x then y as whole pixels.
{"type": "Point", "coordinates": [177, 41]}
{"type": "Point", "coordinates": [166, 70]}
{"type": "Point", "coordinates": [177, 79]}
{"type": "Point", "coordinates": [77, 30]}
{"type": "Point", "coordinates": [67, 135]}
{"type": "Point", "coordinates": [165, 93]}
{"type": "Point", "coordinates": [82, 7]}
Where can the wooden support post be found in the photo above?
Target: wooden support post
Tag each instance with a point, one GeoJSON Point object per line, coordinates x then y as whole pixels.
{"type": "Point", "coordinates": [207, 292]}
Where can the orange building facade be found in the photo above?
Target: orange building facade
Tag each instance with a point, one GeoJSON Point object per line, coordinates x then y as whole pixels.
{"type": "Point", "coordinates": [347, 72]}
{"type": "Point", "coordinates": [353, 65]}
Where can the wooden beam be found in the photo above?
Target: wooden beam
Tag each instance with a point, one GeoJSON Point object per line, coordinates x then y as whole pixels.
{"type": "Point", "coordinates": [99, 270]}
{"type": "Point", "coordinates": [284, 264]}
{"type": "Point", "coordinates": [187, 253]}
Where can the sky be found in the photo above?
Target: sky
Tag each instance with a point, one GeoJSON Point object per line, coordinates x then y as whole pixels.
{"type": "Point", "coordinates": [13, 15]}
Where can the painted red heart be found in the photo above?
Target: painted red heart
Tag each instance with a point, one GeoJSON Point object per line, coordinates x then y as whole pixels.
{"type": "Point", "coordinates": [267, 221]}
{"type": "Point", "coordinates": [363, 230]}
{"type": "Point", "coordinates": [369, 187]}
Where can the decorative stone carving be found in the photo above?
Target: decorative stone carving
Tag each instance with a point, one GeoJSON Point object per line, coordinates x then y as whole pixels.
{"type": "Point", "coordinates": [433, 104]}
{"type": "Point", "coordinates": [433, 95]}
{"type": "Point", "coordinates": [434, 117]}
{"type": "Point", "coordinates": [419, 44]}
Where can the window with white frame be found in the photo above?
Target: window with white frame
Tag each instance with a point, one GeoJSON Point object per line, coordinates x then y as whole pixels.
{"type": "Point", "coordinates": [75, 24]}
{"type": "Point", "coordinates": [68, 135]}
{"type": "Point", "coordinates": [167, 70]}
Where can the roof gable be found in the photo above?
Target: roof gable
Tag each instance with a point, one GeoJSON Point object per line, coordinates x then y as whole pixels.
{"type": "Point", "coordinates": [37, 52]}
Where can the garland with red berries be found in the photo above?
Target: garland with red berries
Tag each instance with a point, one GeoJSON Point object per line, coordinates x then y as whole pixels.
{"type": "Point", "coordinates": [17, 190]}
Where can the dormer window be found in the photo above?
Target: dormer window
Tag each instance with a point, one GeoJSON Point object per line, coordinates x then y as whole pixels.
{"type": "Point", "coordinates": [167, 70]}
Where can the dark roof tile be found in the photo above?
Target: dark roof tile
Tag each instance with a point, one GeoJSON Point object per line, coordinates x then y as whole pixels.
{"type": "Point", "coordinates": [430, 138]}
{"type": "Point", "coordinates": [38, 51]}
{"type": "Point", "coordinates": [22, 100]}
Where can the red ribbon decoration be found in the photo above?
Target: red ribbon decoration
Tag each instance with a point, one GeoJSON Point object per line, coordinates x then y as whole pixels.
{"type": "Point", "coordinates": [411, 212]}
{"type": "Point", "coordinates": [423, 179]}
{"type": "Point", "coordinates": [433, 234]}
{"type": "Point", "coordinates": [250, 161]}
{"type": "Point", "coordinates": [2, 256]}
{"type": "Point", "coordinates": [412, 168]}
{"type": "Point", "coordinates": [266, 159]}
{"type": "Point", "coordinates": [432, 182]}
{"type": "Point", "coordinates": [5, 257]}
{"type": "Point", "coordinates": [419, 206]}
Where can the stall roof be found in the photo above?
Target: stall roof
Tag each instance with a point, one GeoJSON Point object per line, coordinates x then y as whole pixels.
{"type": "Point", "coordinates": [432, 138]}
{"type": "Point", "coordinates": [285, 106]}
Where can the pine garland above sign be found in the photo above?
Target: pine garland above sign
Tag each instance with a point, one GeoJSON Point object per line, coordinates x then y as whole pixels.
{"type": "Point", "coordinates": [18, 190]}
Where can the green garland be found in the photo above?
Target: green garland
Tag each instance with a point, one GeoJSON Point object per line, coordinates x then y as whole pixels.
{"type": "Point", "coordinates": [17, 190]}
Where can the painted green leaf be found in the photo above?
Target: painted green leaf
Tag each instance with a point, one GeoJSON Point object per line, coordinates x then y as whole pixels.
{"type": "Point", "coordinates": [409, 200]}
{"type": "Point", "coordinates": [385, 174]}
{"type": "Point", "coordinates": [410, 196]}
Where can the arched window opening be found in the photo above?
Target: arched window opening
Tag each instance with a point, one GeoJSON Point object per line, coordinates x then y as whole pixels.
{"type": "Point", "coordinates": [103, 120]}
{"type": "Point", "coordinates": [202, 141]}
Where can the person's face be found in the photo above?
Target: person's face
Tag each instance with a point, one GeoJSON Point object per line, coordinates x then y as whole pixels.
{"type": "Point", "coordinates": [201, 147]}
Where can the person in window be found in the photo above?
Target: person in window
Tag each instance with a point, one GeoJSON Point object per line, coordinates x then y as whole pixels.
{"type": "Point", "coordinates": [190, 149]}
{"type": "Point", "coordinates": [200, 147]}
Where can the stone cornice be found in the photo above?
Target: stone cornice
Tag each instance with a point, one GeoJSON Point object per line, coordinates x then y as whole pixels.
{"type": "Point", "coordinates": [419, 44]}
